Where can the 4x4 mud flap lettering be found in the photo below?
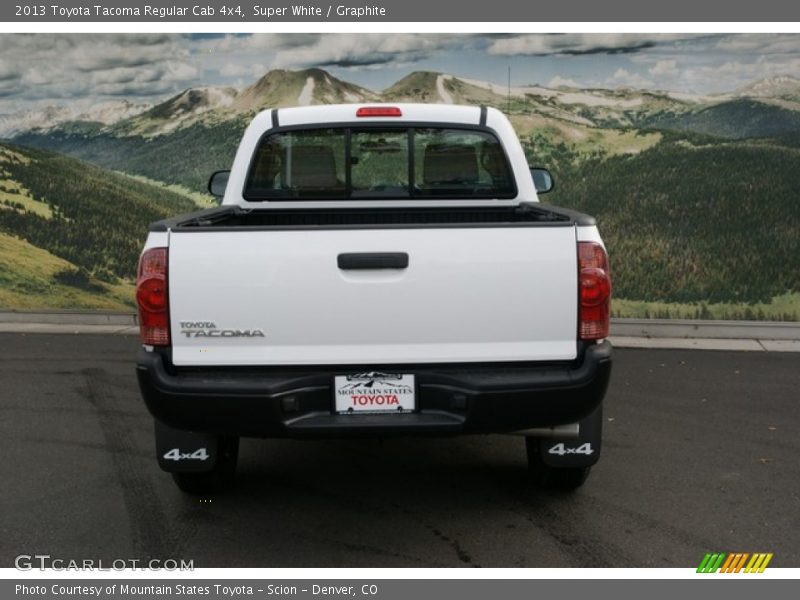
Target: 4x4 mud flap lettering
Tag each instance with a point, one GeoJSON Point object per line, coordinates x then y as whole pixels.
{"type": "Point", "coordinates": [182, 451]}
{"type": "Point", "coordinates": [582, 451]}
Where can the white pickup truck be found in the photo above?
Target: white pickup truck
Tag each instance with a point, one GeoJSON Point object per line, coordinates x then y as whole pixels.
{"type": "Point", "coordinates": [375, 271]}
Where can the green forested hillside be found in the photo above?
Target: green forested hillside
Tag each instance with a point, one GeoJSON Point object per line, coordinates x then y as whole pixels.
{"type": "Point", "coordinates": [739, 119]}
{"type": "Point", "coordinates": [687, 219]}
{"type": "Point", "coordinates": [187, 156]}
{"type": "Point", "coordinates": [93, 221]}
{"type": "Point", "coordinates": [32, 278]}
{"type": "Point", "coordinates": [695, 222]}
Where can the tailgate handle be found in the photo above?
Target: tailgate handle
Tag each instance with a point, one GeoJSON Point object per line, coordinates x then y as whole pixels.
{"type": "Point", "coordinates": [373, 260]}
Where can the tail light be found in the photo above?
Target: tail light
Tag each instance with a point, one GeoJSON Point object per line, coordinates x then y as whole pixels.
{"type": "Point", "coordinates": [152, 297]}
{"type": "Point", "coordinates": [594, 296]}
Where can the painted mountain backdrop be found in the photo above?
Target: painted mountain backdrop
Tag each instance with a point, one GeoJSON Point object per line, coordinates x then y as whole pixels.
{"type": "Point", "coordinates": [696, 195]}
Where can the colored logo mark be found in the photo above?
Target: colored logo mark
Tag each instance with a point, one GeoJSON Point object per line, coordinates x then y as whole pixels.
{"type": "Point", "coordinates": [737, 562]}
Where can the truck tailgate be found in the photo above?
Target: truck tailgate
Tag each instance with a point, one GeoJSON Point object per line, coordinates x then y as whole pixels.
{"type": "Point", "coordinates": [252, 297]}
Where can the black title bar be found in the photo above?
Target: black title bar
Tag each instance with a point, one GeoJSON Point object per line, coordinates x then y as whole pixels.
{"type": "Point", "coordinates": [264, 11]}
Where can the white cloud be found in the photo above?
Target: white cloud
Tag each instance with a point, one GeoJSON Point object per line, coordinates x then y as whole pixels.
{"type": "Point", "coordinates": [759, 43]}
{"type": "Point", "coordinates": [362, 50]}
{"type": "Point", "coordinates": [623, 78]}
{"type": "Point", "coordinates": [736, 73]}
{"type": "Point", "coordinates": [45, 67]}
{"type": "Point", "coordinates": [230, 69]}
{"type": "Point", "coordinates": [259, 42]}
{"type": "Point", "coordinates": [8, 70]}
{"type": "Point", "coordinates": [559, 81]}
{"type": "Point", "coordinates": [583, 43]}
{"type": "Point", "coordinates": [664, 69]}
{"type": "Point", "coordinates": [68, 69]}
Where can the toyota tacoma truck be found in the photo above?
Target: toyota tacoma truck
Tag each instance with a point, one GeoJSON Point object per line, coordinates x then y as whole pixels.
{"type": "Point", "coordinates": [375, 271]}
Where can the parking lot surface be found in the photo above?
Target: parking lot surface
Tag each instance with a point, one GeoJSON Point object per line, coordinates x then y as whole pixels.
{"type": "Point", "coordinates": [700, 454]}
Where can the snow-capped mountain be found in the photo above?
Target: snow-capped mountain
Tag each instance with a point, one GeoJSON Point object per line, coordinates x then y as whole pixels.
{"type": "Point", "coordinates": [782, 86]}
{"type": "Point", "coordinates": [560, 106]}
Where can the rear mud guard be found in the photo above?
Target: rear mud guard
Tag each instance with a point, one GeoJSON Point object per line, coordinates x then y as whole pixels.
{"type": "Point", "coordinates": [182, 451]}
{"type": "Point", "coordinates": [583, 451]}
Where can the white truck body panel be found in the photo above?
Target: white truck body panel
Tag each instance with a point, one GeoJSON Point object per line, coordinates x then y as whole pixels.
{"type": "Point", "coordinates": [589, 234]}
{"type": "Point", "coordinates": [467, 295]}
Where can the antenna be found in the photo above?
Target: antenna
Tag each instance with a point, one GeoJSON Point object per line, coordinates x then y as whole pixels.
{"type": "Point", "coordinates": [508, 97]}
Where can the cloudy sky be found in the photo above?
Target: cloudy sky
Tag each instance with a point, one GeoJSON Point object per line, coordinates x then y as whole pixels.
{"type": "Point", "coordinates": [41, 69]}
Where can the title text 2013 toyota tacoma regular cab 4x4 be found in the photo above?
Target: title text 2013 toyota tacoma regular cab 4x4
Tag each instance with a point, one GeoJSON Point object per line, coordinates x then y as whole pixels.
{"type": "Point", "coordinates": [375, 271]}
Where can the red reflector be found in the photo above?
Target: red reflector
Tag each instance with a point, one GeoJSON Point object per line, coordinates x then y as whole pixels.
{"type": "Point", "coordinates": [595, 287]}
{"type": "Point", "coordinates": [594, 281]}
{"type": "Point", "coordinates": [152, 298]}
{"type": "Point", "coordinates": [151, 294]}
{"type": "Point", "coordinates": [379, 111]}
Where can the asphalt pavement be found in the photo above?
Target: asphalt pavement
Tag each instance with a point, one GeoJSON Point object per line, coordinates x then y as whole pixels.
{"type": "Point", "coordinates": [700, 454]}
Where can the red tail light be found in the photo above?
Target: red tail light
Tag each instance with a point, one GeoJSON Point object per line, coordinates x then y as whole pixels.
{"type": "Point", "coordinates": [152, 297]}
{"type": "Point", "coordinates": [594, 281]}
{"type": "Point", "coordinates": [379, 111]}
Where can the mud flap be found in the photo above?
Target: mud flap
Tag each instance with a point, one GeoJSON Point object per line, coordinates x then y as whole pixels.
{"type": "Point", "coordinates": [583, 451]}
{"type": "Point", "coordinates": [182, 451]}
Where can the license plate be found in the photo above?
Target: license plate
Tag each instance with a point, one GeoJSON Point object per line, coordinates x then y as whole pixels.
{"type": "Point", "coordinates": [374, 393]}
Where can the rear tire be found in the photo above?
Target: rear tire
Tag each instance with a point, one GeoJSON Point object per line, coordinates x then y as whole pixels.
{"type": "Point", "coordinates": [563, 479]}
{"type": "Point", "coordinates": [219, 478]}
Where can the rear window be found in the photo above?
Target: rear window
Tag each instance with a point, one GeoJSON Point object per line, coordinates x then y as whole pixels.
{"type": "Point", "coordinates": [377, 162]}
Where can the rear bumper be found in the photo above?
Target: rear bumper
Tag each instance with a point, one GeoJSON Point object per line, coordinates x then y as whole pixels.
{"type": "Point", "coordinates": [451, 399]}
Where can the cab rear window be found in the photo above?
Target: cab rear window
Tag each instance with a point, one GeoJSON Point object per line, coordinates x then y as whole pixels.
{"type": "Point", "coordinates": [378, 162]}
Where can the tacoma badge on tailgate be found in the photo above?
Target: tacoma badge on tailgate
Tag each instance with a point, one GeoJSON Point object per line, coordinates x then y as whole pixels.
{"type": "Point", "coordinates": [196, 329]}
